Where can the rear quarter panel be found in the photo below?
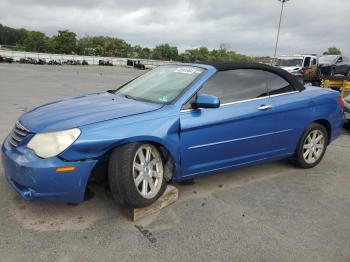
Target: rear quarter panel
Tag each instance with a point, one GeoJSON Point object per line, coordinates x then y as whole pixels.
{"type": "Point", "coordinates": [326, 106]}
{"type": "Point", "coordinates": [294, 112]}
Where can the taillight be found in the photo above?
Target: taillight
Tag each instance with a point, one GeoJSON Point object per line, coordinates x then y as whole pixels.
{"type": "Point", "coordinates": [341, 102]}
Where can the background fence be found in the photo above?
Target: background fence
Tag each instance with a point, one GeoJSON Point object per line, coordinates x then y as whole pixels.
{"type": "Point", "coordinates": [92, 60]}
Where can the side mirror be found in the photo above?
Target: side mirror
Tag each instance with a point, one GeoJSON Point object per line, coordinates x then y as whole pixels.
{"type": "Point", "coordinates": [207, 101]}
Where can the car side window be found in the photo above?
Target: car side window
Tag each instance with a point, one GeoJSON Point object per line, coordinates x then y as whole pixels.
{"type": "Point", "coordinates": [236, 85]}
{"type": "Point", "coordinates": [314, 61]}
{"type": "Point", "coordinates": [244, 84]}
{"type": "Point", "coordinates": [307, 61]}
{"type": "Point", "coordinates": [278, 85]}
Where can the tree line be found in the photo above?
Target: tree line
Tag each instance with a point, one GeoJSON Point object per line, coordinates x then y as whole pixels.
{"type": "Point", "coordinates": [67, 42]}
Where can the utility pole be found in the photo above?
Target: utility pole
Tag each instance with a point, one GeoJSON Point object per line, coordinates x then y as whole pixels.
{"type": "Point", "coordinates": [279, 26]}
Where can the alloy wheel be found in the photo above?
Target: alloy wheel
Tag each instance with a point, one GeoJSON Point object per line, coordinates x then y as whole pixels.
{"type": "Point", "coordinates": [314, 146]}
{"type": "Point", "coordinates": [148, 171]}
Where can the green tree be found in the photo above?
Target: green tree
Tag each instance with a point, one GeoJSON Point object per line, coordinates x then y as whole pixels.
{"type": "Point", "coordinates": [165, 52]}
{"type": "Point", "coordinates": [137, 50]}
{"type": "Point", "coordinates": [36, 42]}
{"type": "Point", "coordinates": [146, 53]}
{"type": "Point", "coordinates": [98, 50]}
{"type": "Point", "coordinates": [185, 57]}
{"type": "Point", "coordinates": [12, 37]}
{"type": "Point", "coordinates": [65, 42]}
{"type": "Point", "coordinates": [198, 54]}
{"type": "Point", "coordinates": [332, 51]}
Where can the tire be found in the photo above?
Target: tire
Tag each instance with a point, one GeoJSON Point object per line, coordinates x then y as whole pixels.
{"type": "Point", "coordinates": [126, 164]}
{"type": "Point", "coordinates": [308, 143]}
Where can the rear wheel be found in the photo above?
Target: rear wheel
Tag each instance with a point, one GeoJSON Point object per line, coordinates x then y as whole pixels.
{"type": "Point", "coordinates": [312, 146]}
{"type": "Point", "coordinates": [136, 175]}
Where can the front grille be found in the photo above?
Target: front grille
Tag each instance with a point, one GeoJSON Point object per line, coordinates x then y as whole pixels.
{"type": "Point", "coordinates": [18, 133]}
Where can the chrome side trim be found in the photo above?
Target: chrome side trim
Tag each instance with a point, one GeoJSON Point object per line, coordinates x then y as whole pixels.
{"type": "Point", "coordinates": [293, 92]}
{"type": "Point", "coordinates": [244, 101]}
{"type": "Point", "coordinates": [259, 98]}
{"type": "Point", "coordinates": [239, 139]}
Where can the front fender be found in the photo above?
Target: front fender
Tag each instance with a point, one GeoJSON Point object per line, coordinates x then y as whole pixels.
{"type": "Point", "coordinates": [98, 139]}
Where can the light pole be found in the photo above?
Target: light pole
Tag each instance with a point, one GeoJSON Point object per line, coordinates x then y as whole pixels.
{"type": "Point", "coordinates": [279, 26]}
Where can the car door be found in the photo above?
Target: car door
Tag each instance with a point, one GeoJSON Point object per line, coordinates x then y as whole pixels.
{"type": "Point", "coordinates": [290, 111]}
{"type": "Point", "coordinates": [238, 132]}
{"type": "Point", "coordinates": [307, 68]}
{"type": "Point", "coordinates": [340, 66]}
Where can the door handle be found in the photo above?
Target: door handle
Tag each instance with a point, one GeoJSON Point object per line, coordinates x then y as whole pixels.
{"type": "Point", "coordinates": [265, 107]}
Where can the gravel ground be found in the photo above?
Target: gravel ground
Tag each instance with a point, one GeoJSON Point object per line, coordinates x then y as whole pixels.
{"type": "Point", "coordinates": [270, 212]}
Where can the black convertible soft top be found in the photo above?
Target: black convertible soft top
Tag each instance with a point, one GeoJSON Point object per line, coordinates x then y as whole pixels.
{"type": "Point", "coordinates": [225, 66]}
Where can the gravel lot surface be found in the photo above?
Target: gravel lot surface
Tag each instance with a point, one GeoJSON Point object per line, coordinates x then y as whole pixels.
{"type": "Point", "coordinates": [270, 212]}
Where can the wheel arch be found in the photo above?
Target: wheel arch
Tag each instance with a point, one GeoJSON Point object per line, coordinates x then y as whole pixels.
{"type": "Point", "coordinates": [326, 124]}
{"type": "Point", "coordinates": [169, 154]}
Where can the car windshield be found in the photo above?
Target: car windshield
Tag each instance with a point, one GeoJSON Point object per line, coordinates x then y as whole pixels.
{"type": "Point", "coordinates": [289, 62]}
{"type": "Point", "coordinates": [329, 59]}
{"type": "Point", "coordinates": [162, 84]}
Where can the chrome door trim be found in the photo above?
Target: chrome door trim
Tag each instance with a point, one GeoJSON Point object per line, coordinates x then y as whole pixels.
{"type": "Point", "coordinates": [243, 101]}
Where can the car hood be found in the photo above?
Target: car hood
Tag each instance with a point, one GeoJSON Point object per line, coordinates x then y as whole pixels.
{"type": "Point", "coordinates": [83, 110]}
{"type": "Point", "coordinates": [291, 68]}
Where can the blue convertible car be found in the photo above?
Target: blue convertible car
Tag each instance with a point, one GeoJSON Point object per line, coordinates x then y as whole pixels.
{"type": "Point", "coordinates": [176, 122]}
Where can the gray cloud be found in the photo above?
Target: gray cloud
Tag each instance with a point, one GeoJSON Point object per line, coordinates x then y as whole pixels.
{"type": "Point", "coordinates": [248, 27]}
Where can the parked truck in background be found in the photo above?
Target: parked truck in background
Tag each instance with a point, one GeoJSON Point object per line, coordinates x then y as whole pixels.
{"type": "Point", "coordinates": [304, 67]}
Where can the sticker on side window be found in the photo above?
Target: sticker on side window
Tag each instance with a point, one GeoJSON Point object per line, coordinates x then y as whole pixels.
{"type": "Point", "coordinates": [186, 70]}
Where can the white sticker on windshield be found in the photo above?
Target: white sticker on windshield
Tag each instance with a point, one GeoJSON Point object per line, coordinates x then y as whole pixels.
{"type": "Point", "coordinates": [163, 99]}
{"type": "Point", "coordinates": [187, 70]}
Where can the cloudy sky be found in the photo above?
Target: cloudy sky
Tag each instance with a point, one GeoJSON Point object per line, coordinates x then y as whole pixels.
{"type": "Point", "coordinates": [248, 27]}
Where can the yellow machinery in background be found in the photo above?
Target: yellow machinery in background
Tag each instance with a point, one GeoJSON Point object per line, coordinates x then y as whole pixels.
{"type": "Point", "coordinates": [340, 83]}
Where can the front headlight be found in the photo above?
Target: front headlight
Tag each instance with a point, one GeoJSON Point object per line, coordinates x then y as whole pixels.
{"type": "Point", "coordinates": [51, 144]}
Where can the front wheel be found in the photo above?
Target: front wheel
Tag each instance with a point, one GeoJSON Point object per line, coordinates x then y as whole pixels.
{"type": "Point", "coordinates": [312, 146]}
{"type": "Point", "coordinates": [136, 175]}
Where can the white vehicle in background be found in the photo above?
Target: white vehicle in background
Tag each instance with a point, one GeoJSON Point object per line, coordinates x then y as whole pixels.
{"type": "Point", "coordinates": [303, 66]}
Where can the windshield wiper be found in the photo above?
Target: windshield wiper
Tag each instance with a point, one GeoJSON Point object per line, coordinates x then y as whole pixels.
{"type": "Point", "coordinates": [121, 94]}
{"type": "Point", "coordinates": [127, 96]}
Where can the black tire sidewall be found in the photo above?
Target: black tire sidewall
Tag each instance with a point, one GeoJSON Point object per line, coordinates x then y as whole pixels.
{"type": "Point", "coordinates": [299, 153]}
{"type": "Point", "coordinates": [121, 179]}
